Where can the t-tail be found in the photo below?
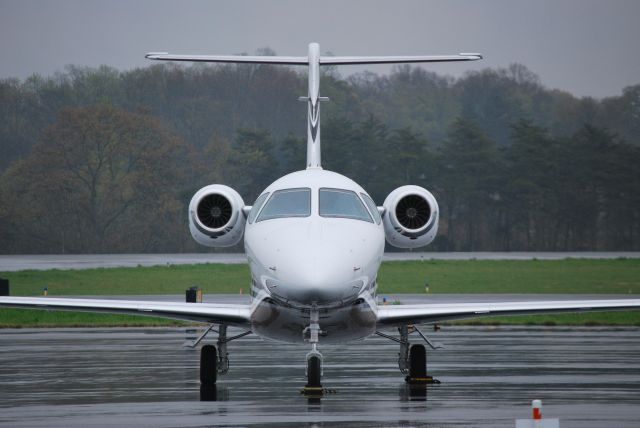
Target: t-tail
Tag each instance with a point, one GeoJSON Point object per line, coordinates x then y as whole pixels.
{"type": "Point", "coordinates": [314, 60]}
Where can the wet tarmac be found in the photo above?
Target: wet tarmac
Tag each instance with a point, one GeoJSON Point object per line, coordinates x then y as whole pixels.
{"type": "Point", "coordinates": [587, 377]}
{"type": "Point", "coordinates": [12, 263]}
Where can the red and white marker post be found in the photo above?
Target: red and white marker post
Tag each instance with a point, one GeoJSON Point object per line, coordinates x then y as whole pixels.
{"type": "Point", "coordinates": [537, 421]}
{"type": "Point", "coordinates": [536, 406]}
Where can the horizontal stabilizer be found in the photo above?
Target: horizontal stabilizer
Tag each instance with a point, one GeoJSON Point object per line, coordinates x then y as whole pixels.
{"type": "Point", "coordinates": [303, 60]}
{"type": "Point", "coordinates": [353, 60]}
{"type": "Point", "coordinates": [314, 61]}
{"type": "Point", "coordinates": [290, 60]}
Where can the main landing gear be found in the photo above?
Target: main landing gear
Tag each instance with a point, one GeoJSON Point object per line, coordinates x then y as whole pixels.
{"type": "Point", "coordinates": [208, 365]}
{"type": "Point", "coordinates": [412, 359]}
{"type": "Point", "coordinates": [214, 359]}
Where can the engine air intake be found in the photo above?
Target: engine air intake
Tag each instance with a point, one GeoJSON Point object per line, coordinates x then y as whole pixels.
{"type": "Point", "coordinates": [214, 211]}
{"type": "Point", "coordinates": [413, 212]}
{"type": "Point", "coordinates": [411, 217]}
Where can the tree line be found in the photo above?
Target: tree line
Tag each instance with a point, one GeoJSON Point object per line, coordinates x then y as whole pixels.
{"type": "Point", "coordinates": [96, 160]}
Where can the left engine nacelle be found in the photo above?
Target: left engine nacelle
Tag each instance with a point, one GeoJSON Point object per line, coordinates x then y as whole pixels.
{"type": "Point", "coordinates": [411, 217]}
{"type": "Point", "coordinates": [215, 216]}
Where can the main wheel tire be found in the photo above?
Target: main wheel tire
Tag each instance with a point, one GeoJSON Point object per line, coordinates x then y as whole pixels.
{"type": "Point", "coordinates": [417, 362]}
{"type": "Point", "coordinates": [314, 372]}
{"type": "Point", "coordinates": [208, 365]}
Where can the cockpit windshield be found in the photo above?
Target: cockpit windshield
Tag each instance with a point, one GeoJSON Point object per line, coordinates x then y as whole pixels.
{"type": "Point", "coordinates": [287, 203]}
{"type": "Point", "coordinates": [372, 207]}
{"type": "Point", "coordinates": [343, 204]}
{"type": "Point", "coordinates": [255, 209]}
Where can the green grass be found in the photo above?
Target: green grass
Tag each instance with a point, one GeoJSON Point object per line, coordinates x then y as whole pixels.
{"type": "Point", "coordinates": [624, 318]}
{"type": "Point", "coordinates": [620, 276]}
{"type": "Point", "coordinates": [578, 276]}
{"type": "Point", "coordinates": [21, 318]}
{"type": "Point", "coordinates": [173, 279]}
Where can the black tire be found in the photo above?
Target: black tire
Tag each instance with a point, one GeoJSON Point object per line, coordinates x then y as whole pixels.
{"type": "Point", "coordinates": [314, 372]}
{"type": "Point", "coordinates": [208, 393]}
{"type": "Point", "coordinates": [418, 362]}
{"type": "Point", "coordinates": [208, 365]}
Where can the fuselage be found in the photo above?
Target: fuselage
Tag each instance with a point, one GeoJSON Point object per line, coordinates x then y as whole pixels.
{"type": "Point", "coordinates": [314, 239]}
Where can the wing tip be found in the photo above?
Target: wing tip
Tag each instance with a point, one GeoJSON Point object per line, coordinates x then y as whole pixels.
{"type": "Point", "coordinates": [155, 55]}
{"type": "Point", "coordinates": [472, 56]}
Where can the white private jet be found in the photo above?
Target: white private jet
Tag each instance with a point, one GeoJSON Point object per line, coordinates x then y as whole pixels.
{"type": "Point", "coordinates": [314, 240]}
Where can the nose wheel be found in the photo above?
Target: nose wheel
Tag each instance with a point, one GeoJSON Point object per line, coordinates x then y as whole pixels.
{"type": "Point", "coordinates": [314, 370]}
{"type": "Point", "coordinates": [314, 358]}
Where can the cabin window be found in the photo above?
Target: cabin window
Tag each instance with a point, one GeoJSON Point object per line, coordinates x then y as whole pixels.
{"type": "Point", "coordinates": [287, 203]}
{"type": "Point", "coordinates": [343, 204]}
{"type": "Point", "coordinates": [255, 209]}
{"type": "Point", "coordinates": [372, 207]}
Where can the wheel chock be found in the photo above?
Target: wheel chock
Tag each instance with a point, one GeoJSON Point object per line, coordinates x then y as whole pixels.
{"type": "Point", "coordinates": [429, 380]}
{"type": "Point", "coordinates": [316, 391]}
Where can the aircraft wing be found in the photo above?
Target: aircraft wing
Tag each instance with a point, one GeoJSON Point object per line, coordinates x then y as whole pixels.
{"type": "Point", "coordinates": [438, 312]}
{"type": "Point", "coordinates": [203, 312]}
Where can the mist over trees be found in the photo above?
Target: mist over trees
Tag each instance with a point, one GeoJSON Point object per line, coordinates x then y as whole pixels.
{"type": "Point", "coordinates": [98, 160]}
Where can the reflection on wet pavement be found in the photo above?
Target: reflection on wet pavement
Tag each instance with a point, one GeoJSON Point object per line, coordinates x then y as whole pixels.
{"type": "Point", "coordinates": [587, 377]}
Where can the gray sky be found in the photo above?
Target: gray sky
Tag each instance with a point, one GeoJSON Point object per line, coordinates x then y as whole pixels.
{"type": "Point", "coordinates": [587, 47]}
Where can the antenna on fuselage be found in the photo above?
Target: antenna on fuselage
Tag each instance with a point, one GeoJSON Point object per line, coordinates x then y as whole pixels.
{"type": "Point", "coordinates": [314, 61]}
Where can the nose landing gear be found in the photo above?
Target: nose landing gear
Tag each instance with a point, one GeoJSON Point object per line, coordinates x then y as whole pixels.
{"type": "Point", "coordinates": [314, 357]}
{"type": "Point", "coordinates": [314, 370]}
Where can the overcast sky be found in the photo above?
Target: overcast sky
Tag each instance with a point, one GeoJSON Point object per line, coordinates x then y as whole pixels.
{"type": "Point", "coordinates": [587, 47]}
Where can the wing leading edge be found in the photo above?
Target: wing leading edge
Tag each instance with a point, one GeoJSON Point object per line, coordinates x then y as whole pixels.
{"type": "Point", "coordinates": [438, 312]}
{"type": "Point", "coordinates": [203, 312]}
{"type": "Point", "coordinates": [323, 60]}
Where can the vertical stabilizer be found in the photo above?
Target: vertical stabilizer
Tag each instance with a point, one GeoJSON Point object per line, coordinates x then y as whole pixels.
{"type": "Point", "coordinates": [313, 108]}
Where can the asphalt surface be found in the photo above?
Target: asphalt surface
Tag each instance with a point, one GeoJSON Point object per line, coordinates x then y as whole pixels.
{"type": "Point", "coordinates": [86, 261]}
{"type": "Point", "coordinates": [586, 377]}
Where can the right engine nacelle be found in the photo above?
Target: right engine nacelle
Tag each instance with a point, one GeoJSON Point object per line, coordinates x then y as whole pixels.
{"type": "Point", "coordinates": [411, 217]}
{"type": "Point", "coordinates": [215, 216]}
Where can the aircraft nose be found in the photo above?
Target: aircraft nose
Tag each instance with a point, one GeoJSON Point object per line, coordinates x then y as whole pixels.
{"type": "Point", "coordinates": [318, 261]}
{"type": "Point", "coordinates": [319, 278]}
